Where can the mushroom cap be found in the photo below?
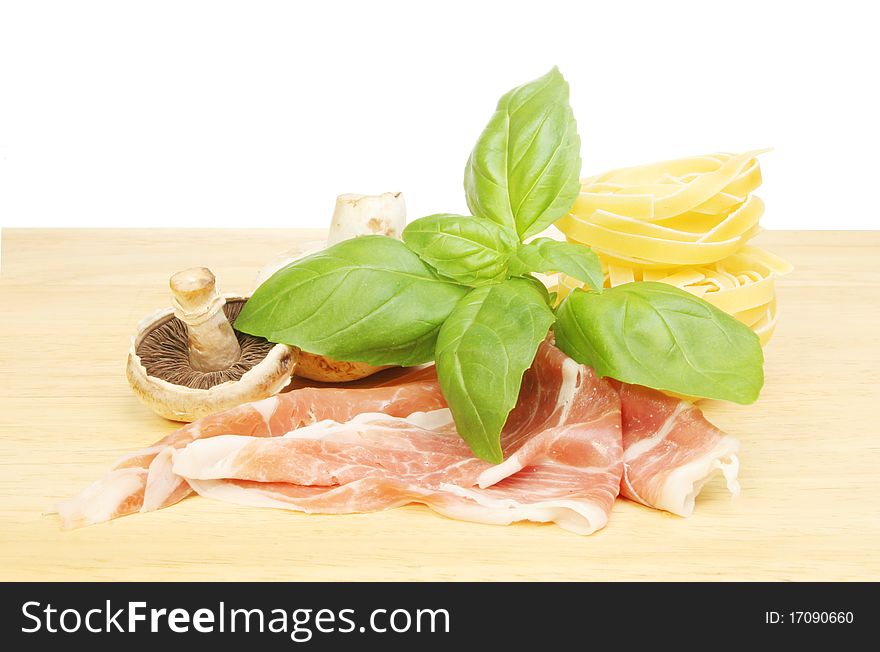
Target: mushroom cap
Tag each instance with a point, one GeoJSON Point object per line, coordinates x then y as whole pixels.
{"type": "Point", "coordinates": [311, 365]}
{"type": "Point", "coordinates": [328, 370]}
{"type": "Point", "coordinates": [159, 373]}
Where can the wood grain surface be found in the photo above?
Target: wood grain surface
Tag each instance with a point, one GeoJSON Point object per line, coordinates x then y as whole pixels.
{"type": "Point", "coordinates": [810, 507]}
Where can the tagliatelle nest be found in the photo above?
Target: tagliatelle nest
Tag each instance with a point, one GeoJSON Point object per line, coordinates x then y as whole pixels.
{"type": "Point", "coordinates": [164, 353]}
{"type": "Point", "coordinates": [684, 222]}
{"type": "Point", "coordinates": [689, 211]}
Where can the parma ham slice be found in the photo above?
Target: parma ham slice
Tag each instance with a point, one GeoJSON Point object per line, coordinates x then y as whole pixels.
{"type": "Point", "coordinates": [144, 481]}
{"type": "Point", "coordinates": [670, 450]}
{"type": "Point", "coordinates": [562, 450]}
{"type": "Point", "coordinates": [571, 444]}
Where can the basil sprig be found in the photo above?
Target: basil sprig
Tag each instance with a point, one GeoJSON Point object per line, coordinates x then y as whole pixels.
{"type": "Point", "coordinates": [460, 290]}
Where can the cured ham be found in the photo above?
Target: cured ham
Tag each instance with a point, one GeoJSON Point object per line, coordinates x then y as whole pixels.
{"type": "Point", "coordinates": [571, 444]}
{"type": "Point", "coordinates": [562, 450]}
{"type": "Point", "coordinates": [144, 481]}
{"type": "Point", "coordinates": [670, 450]}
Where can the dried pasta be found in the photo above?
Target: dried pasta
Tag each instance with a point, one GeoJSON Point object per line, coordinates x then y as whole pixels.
{"type": "Point", "coordinates": [685, 222]}
{"type": "Point", "coordinates": [742, 284]}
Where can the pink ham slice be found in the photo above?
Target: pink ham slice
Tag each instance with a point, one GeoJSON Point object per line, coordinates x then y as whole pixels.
{"type": "Point", "coordinates": [562, 463]}
{"type": "Point", "coordinates": [577, 499]}
{"type": "Point", "coordinates": [670, 450]}
{"type": "Point", "coordinates": [357, 450]}
{"type": "Point", "coordinates": [144, 481]}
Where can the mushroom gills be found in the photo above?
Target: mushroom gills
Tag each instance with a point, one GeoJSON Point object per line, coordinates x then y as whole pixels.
{"type": "Point", "coordinates": [165, 354]}
{"type": "Point", "coordinates": [188, 361]}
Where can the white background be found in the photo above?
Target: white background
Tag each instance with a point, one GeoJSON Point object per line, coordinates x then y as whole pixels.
{"type": "Point", "coordinates": [260, 113]}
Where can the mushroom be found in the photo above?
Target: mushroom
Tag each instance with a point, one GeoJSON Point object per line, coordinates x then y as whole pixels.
{"type": "Point", "coordinates": [357, 215]}
{"type": "Point", "coordinates": [354, 215]}
{"type": "Point", "coordinates": [324, 369]}
{"type": "Point", "coordinates": [187, 361]}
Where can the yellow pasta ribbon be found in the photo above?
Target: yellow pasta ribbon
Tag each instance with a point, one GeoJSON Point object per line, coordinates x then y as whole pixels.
{"type": "Point", "coordinates": [685, 222]}
{"type": "Point", "coordinates": [741, 284]}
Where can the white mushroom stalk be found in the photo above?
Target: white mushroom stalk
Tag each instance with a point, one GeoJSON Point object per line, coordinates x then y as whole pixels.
{"type": "Point", "coordinates": [357, 215]}
{"type": "Point", "coordinates": [353, 216]}
{"type": "Point", "coordinates": [212, 342]}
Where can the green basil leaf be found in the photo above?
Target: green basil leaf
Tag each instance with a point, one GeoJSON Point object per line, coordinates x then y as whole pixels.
{"type": "Point", "coordinates": [541, 288]}
{"type": "Point", "coordinates": [549, 256]}
{"type": "Point", "coordinates": [369, 299]}
{"type": "Point", "coordinates": [657, 335]}
{"type": "Point", "coordinates": [523, 171]}
{"type": "Point", "coordinates": [466, 249]}
{"type": "Point", "coordinates": [484, 348]}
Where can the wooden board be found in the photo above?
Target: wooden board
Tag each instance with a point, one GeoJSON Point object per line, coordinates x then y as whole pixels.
{"type": "Point", "coordinates": [810, 507]}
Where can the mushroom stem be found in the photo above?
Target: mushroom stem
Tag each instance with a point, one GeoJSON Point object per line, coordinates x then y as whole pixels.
{"type": "Point", "coordinates": [211, 340]}
{"type": "Point", "coordinates": [357, 215]}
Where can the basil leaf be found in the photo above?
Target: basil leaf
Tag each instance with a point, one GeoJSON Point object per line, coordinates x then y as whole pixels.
{"type": "Point", "coordinates": [468, 250]}
{"type": "Point", "coordinates": [549, 256]}
{"type": "Point", "coordinates": [657, 335]}
{"type": "Point", "coordinates": [541, 288]}
{"type": "Point", "coordinates": [523, 171]}
{"type": "Point", "coordinates": [369, 299]}
{"type": "Point", "coordinates": [484, 348]}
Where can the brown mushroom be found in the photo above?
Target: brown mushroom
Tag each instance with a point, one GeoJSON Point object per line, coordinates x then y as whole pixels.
{"type": "Point", "coordinates": [188, 361]}
{"type": "Point", "coordinates": [354, 216]}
